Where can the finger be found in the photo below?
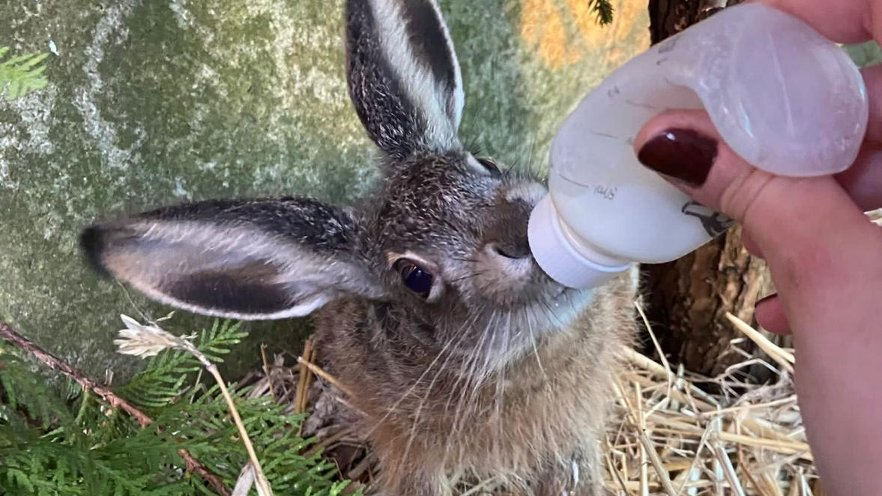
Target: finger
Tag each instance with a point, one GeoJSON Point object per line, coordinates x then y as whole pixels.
{"type": "Point", "coordinates": [750, 244]}
{"type": "Point", "coordinates": [684, 145]}
{"type": "Point", "coordinates": [872, 77]}
{"type": "Point", "coordinates": [788, 218]}
{"type": "Point", "coordinates": [770, 315]}
{"type": "Point", "coordinates": [863, 180]}
{"type": "Point", "coordinates": [841, 21]}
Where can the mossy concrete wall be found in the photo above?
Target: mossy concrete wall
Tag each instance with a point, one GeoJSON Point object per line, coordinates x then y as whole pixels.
{"type": "Point", "coordinates": [153, 102]}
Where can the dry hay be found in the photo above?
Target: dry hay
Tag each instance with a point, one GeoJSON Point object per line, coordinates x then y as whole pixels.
{"type": "Point", "coordinates": [670, 435]}
{"type": "Point", "coordinates": [675, 438]}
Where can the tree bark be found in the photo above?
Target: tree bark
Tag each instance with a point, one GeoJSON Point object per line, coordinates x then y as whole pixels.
{"type": "Point", "coordinates": [687, 298]}
{"type": "Point", "coordinates": [669, 17]}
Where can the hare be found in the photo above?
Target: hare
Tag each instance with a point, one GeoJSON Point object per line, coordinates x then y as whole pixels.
{"type": "Point", "coordinates": [468, 362]}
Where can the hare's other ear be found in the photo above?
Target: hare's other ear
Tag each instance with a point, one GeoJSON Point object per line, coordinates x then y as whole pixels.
{"type": "Point", "coordinates": [259, 259]}
{"type": "Point", "coordinates": [403, 75]}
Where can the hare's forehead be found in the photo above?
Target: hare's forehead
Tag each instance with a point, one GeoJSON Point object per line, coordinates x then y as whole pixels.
{"type": "Point", "coordinates": [428, 201]}
{"type": "Point", "coordinates": [449, 186]}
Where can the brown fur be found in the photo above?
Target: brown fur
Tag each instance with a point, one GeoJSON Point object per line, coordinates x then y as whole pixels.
{"type": "Point", "coordinates": [525, 425]}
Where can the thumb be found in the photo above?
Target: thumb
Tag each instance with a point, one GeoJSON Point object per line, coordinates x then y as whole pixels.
{"type": "Point", "coordinates": [808, 229]}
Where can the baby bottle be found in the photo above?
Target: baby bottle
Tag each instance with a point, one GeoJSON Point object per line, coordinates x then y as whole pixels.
{"type": "Point", "coordinates": [784, 98]}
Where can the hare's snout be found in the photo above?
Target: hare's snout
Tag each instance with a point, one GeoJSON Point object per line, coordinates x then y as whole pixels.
{"type": "Point", "coordinates": [510, 259]}
{"type": "Point", "coordinates": [508, 273]}
{"type": "Point", "coordinates": [505, 243]}
{"type": "Point", "coordinates": [505, 275]}
{"type": "Point", "coordinates": [512, 251]}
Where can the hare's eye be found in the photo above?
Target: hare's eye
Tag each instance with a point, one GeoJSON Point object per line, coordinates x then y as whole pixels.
{"type": "Point", "coordinates": [414, 277]}
{"type": "Point", "coordinates": [490, 165]}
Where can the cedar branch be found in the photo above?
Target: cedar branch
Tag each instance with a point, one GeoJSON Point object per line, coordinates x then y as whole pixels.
{"type": "Point", "coordinates": [193, 465]}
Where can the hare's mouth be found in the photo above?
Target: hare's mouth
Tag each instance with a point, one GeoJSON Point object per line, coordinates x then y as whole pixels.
{"type": "Point", "coordinates": [564, 294]}
{"type": "Point", "coordinates": [563, 291]}
{"type": "Point", "coordinates": [555, 309]}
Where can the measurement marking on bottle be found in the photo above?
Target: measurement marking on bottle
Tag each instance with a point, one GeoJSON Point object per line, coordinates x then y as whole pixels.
{"type": "Point", "coordinates": [605, 191]}
{"type": "Point", "coordinates": [573, 181]}
{"type": "Point", "coordinates": [640, 105]}
{"type": "Point", "coordinates": [604, 135]}
{"type": "Point", "coordinates": [669, 46]}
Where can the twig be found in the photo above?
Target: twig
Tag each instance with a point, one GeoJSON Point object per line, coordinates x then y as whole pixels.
{"type": "Point", "coordinates": [266, 371]}
{"type": "Point", "coordinates": [261, 482]}
{"type": "Point", "coordinates": [315, 369]}
{"type": "Point", "coordinates": [193, 465]}
{"type": "Point", "coordinates": [783, 358]}
{"type": "Point", "coordinates": [641, 425]}
{"type": "Point", "coordinates": [362, 467]}
{"type": "Point", "coordinates": [14, 338]}
{"type": "Point", "coordinates": [301, 397]}
{"type": "Point", "coordinates": [662, 474]}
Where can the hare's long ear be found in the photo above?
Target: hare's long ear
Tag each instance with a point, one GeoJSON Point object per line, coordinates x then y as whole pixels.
{"type": "Point", "coordinates": [403, 75]}
{"type": "Point", "coordinates": [259, 259]}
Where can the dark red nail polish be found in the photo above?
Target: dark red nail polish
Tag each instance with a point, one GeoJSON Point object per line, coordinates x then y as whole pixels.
{"type": "Point", "coordinates": [680, 153]}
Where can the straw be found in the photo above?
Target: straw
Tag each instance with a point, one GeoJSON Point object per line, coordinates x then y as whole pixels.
{"type": "Point", "coordinates": [668, 435]}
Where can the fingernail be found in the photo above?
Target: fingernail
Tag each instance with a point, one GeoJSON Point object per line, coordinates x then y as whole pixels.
{"type": "Point", "coordinates": [680, 153]}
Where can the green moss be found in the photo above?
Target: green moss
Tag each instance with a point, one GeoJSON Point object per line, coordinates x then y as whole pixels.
{"type": "Point", "coordinates": [154, 102]}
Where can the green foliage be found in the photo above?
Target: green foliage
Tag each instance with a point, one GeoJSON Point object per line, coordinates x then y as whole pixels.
{"type": "Point", "coordinates": [865, 54]}
{"type": "Point", "coordinates": [603, 9]}
{"type": "Point", "coordinates": [21, 74]}
{"type": "Point", "coordinates": [58, 440]}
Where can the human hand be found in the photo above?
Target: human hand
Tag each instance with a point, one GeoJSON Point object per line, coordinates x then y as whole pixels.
{"type": "Point", "coordinates": [824, 255]}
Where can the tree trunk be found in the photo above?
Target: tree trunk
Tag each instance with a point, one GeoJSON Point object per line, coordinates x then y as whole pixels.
{"type": "Point", "coordinates": [669, 17]}
{"type": "Point", "coordinates": [687, 299]}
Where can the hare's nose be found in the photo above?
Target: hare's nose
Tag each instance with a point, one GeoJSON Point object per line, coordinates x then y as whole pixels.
{"type": "Point", "coordinates": [511, 259]}
{"type": "Point", "coordinates": [513, 249]}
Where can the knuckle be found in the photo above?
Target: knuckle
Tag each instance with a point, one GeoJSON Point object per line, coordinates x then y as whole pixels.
{"type": "Point", "coordinates": [739, 197]}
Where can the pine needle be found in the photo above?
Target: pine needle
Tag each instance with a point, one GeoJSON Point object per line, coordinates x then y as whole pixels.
{"type": "Point", "coordinates": [21, 74]}
{"type": "Point", "coordinates": [603, 9]}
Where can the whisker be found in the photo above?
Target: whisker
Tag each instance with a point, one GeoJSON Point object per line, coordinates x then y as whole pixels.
{"type": "Point", "coordinates": [469, 276]}
{"type": "Point", "coordinates": [533, 343]}
{"type": "Point", "coordinates": [445, 350]}
{"type": "Point", "coordinates": [462, 333]}
{"type": "Point", "coordinates": [473, 379]}
{"type": "Point", "coordinates": [466, 259]}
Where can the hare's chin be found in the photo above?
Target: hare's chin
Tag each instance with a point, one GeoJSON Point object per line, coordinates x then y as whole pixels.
{"type": "Point", "coordinates": [566, 300]}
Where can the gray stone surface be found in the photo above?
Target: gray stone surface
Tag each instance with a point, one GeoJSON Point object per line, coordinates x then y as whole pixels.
{"type": "Point", "coordinates": [152, 102]}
